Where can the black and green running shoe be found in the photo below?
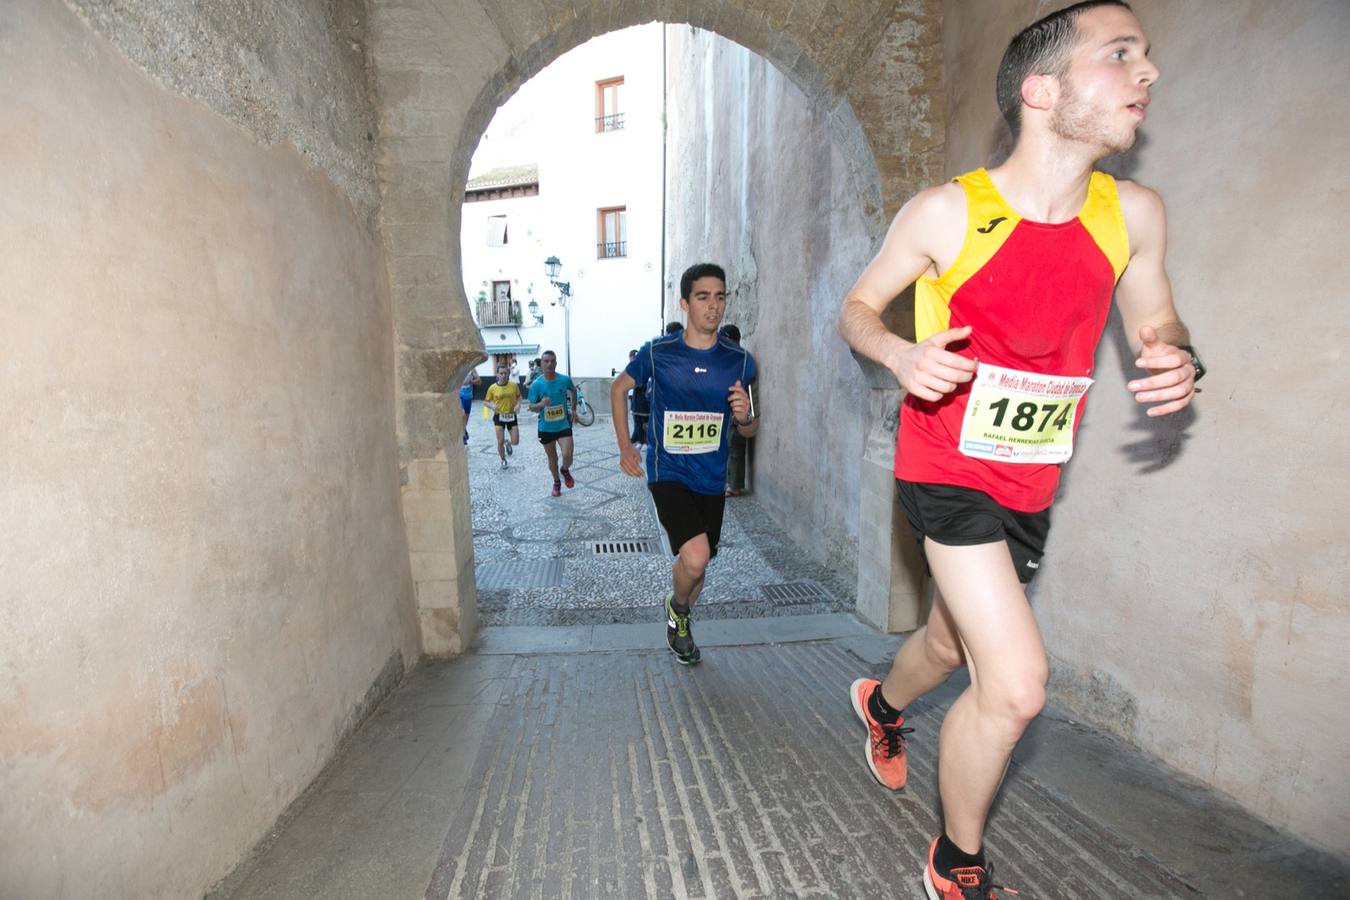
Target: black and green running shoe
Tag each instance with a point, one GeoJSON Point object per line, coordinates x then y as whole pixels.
{"type": "Point", "coordinates": [680, 634]}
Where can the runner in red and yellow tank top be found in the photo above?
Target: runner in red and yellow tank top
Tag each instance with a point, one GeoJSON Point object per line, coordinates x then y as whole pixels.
{"type": "Point", "coordinates": [1036, 297]}
{"type": "Point", "coordinates": [1014, 269]}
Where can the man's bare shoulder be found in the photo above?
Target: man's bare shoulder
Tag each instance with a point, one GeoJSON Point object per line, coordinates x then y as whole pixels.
{"type": "Point", "coordinates": [941, 203]}
{"type": "Point", "coordinates": [932, 224]}
{"type": "Point", "coordinates": [1139, 202]}
{"type": "Point", "coordinates": [1145, 215]}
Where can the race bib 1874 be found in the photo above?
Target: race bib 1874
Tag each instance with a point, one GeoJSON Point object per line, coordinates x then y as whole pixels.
{"type": "Point", "coordinates": [1021, 417]}
{"type": "Point", "coordinates": [692, 432]}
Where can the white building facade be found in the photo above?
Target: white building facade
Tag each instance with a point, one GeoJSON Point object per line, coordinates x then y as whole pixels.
{"type": "Point", "coordinates": [571, 167]}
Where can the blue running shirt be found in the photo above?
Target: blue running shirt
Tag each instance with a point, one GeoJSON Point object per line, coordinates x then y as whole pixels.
{"type": "Point", "coordinates": [553, 417]}
{"type": "Point", "coordinates": [690, 415]}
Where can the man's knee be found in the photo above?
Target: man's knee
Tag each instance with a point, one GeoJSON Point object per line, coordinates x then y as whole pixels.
{"type": "Point", "coordinates": [694, 557]}
{"type": "Point", "coordinates": [1018, 699]}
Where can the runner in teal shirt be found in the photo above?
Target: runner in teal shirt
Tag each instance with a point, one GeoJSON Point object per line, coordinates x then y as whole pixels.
{"type": "Point", "coordinates": [554, 397]}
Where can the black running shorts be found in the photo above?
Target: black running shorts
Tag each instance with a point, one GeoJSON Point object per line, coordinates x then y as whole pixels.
{"type": "Point", "coordinates": [548, 437]}
{"type": "Point", "coordinates": [962, 517]}
{"type": "Point", "coordinates": [496, 420]}
{"type": "Point", "coordinates": [685, 514]}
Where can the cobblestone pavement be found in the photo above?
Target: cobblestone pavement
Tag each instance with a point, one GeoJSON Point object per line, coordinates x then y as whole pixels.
{"type": "Point", "coordinates": [536, 561]}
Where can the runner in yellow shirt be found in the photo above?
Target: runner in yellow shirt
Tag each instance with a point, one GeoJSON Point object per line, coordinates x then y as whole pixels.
{"type": "Point", "coordinates": [503, 398]}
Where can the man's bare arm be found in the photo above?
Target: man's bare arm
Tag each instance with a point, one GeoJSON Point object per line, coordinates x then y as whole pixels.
{"type": "Point", "coordinates": [927, 228]}
{"type": "Point", "coordinates": [630, 462]}
{"type": "Point", "coordinates": [1144, 295]}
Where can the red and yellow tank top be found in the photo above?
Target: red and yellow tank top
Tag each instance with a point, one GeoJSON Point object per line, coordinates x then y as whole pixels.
{"type": "Point", "coordinates": [1037, 297]}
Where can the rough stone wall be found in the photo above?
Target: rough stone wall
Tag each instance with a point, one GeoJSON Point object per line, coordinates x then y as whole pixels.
{"type": "Point", "coordinates": [288, 73]}
{"type": "Point", "coordinates": [204, 581]}
{"type": "Point", "coordinates": [1194, 593]}
{"type": "Point", "coordinates": [739, 133]}
{"type": "Point", "coordinates": [442, 67]}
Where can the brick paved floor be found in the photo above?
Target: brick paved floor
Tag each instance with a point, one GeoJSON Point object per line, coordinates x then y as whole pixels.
{"type": "Point", "coordinates": [538, 768]}
{"type": "Point", "coordinates": [624, 775]}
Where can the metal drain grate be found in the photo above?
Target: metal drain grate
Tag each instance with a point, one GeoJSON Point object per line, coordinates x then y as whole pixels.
{"type": "Point", "coordinates": [523, 573]}
{"type": "Point", "coordinates": [792, 593]}
{"type": "Point", "coordinates": [621, 548]}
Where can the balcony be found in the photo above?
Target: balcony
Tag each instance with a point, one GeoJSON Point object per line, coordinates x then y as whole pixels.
{"type": "Point", "coordinates": [612, 250]}
{"type": "Point", "coordinates": [609, 123]}
{"type": "Point", "coordinates": [498, 312]}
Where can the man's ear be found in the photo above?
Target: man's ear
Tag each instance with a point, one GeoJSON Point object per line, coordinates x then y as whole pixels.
{"type": "Point", "coordinates": [1040, 91]}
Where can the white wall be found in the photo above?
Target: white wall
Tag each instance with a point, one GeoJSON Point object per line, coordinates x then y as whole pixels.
{"type": "Point", "coordinates": [616, 303]}
{"type": "Point", "coordinates": [520, 261]}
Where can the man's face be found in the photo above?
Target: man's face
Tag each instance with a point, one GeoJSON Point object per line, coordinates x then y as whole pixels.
{"type": "Point", "coordinates": [549, 364]}
{"type": "Point", "coordinates": [1103, 93]}
{"type": "Point", "coordinates": [706, 304]}
{"type": "Point", "coordinates": [502, 374]}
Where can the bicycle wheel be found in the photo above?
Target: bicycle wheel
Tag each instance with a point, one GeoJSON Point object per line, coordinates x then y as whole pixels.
{"type": "Point", "coordinates": [585, 413]}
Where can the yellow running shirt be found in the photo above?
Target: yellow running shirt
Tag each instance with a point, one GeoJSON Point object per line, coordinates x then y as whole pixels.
{"type": "Point", "coordinates": [505, 397]}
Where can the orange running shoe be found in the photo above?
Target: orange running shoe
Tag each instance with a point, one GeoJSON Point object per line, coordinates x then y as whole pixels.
{"type": "Point", "coordinates": [885, 748]}
{"type": "Point", "coordinates": [966, 883]}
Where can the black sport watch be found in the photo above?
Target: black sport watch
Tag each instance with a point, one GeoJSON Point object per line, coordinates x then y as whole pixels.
{"type": "Point", "coordinates": [1195, 360]}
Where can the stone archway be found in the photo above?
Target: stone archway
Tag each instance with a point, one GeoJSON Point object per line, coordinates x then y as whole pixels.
{"type": "Point", "coordinates": [442, 68]}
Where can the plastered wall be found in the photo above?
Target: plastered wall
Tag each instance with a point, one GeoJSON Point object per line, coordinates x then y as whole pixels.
{"type": "Point", "coordinates": [739, 132]}
{"type": "Point", "coordinates": [780, 186]}
{"type": "Point", "coordinates": [204, 580]}
{"type": "Point", "coordinates": [1195, 593]}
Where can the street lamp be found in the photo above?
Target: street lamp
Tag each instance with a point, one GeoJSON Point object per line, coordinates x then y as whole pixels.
{"type": "Point", "coordinates": [533, 306]}
{"type": "Point", "coordinates": [553, 267]}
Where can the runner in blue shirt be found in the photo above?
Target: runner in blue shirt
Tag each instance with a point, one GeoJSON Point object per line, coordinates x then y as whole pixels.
{"type": "Point", "coordinates": [466, 398]}
{"type": "Point", "coordinates": [698, 392]}
{"type": "Point", "coordinates": [554, 397]}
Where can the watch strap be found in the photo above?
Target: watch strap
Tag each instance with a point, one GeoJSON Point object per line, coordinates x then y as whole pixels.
{"type": "Point", "coordinates": [1195, 360]}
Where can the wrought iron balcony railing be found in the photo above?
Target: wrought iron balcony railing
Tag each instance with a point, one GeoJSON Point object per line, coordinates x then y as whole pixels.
{"type": "Point", "coordinates": [611, 250]}
{"type": "Point", "coordinates": [499, 312]}
{"type": "Point", "coordinates": [609, 123]}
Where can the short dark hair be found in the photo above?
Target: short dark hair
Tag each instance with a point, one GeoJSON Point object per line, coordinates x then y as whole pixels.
{"type": "Point", "coordinates": [674, 327]}
{"type": "Point", "coordinates": [730, 332]}
{"type": "Point", "coordinates": [547, 353]}
{"type": "Point", "coordinates": [1042, 48]}
{"type": "Point", "coordinates": [697, 271]}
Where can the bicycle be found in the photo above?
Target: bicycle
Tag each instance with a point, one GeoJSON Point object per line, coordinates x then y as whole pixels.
{"type": "Point", "coordinates": [585, 412]}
